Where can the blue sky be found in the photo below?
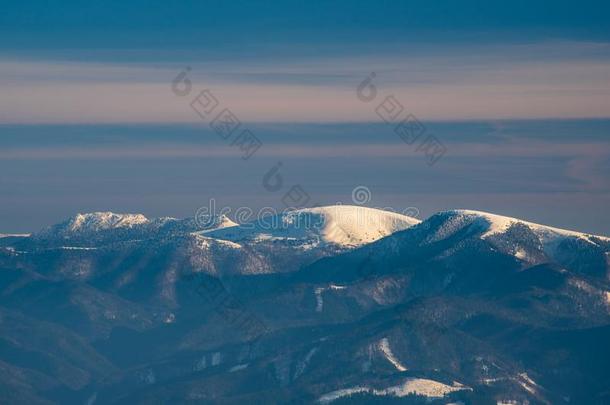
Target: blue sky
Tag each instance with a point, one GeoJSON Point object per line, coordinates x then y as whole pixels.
{"type": "Point", "coordinates": [518, 91]}
{"type": "Point", "coordinates": [225, 26]}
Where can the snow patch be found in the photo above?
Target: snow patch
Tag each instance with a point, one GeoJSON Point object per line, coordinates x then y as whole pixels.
{"type": "Point", "coordinates": [384, 346]}
{"type": "Point", "coordinates": [319, 299]}
{"type": "Point", "coordinates": [302, 365]}
{"type": "Point", "coordinates": [204, 242]}
{"type": "Point", "coordinates": [419, 386]}
{"type": "Point", "coordinates": [75, 248]}
{"type": "Point", "coordinates": [422, 386]}
{"type": "Point", "coordinates": [521, 254]}
{"type": "Point", "coordinates": [14, 235]}
{"type": "Point", "coordinates": [201, 364]}
{"type": "Point", "coordinates": [216, 358]}
{"type": "Point", "coordinates": [334, 395]}
{"type": "Point", "coordinates": [170, 318]}
{"type": "Point", "coordinates": [318, 294]}
{"type": "Point", "coordinates": [527, 383]}
{"type": "Point", "coordinates": [238, 367]}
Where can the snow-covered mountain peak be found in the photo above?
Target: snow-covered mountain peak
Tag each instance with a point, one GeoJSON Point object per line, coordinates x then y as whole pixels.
{"type": "Point", "coordinates": [498, 225]}
{"type": "Point", "coordinates": [354, 225]}
{"type": "Point", "coordinates": [527, 241]}
{"type": "Point", "coordinates": [342, 225]}
{"type": "Point", "coordinates": [86, 229]}
{"type": "Point", "coordinates": [217, 223]}
{"type": "Point", "coordinates": [97, 221]}
{"type": "Point", "coordinates": [225, 222]}
{"type": "Point", "coordinates": [100, 228]}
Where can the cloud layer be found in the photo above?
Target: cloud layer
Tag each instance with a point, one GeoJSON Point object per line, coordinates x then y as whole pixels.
{"type": "Point", "coordinates": [542, 80]}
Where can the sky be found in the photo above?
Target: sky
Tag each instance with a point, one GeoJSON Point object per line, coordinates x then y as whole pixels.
{"type": "Point", "coordinates": [517, 92]}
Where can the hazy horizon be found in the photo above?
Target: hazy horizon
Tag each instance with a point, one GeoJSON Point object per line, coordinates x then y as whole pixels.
{"type": "Point", "coordinates": [546, 171]}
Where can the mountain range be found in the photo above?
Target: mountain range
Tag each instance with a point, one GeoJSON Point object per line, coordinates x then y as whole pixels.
{"type": "Point", "coordinates": [337, 304]}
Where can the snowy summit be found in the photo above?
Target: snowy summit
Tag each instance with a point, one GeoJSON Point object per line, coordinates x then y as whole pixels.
{"type": "Point", "coordinates": [342, 225]}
